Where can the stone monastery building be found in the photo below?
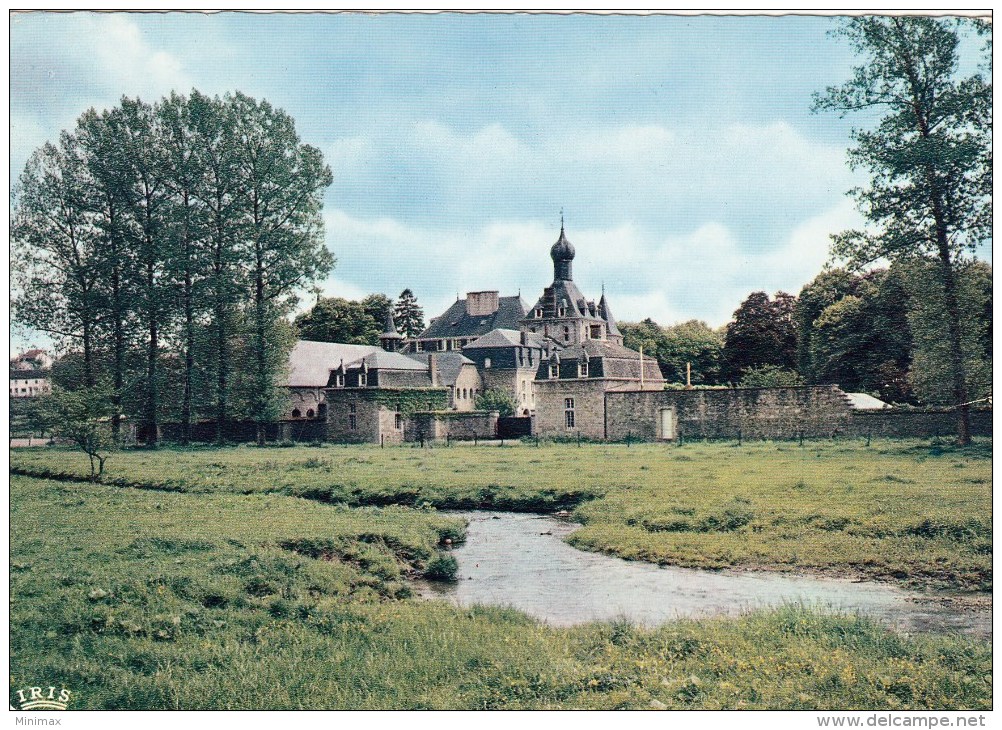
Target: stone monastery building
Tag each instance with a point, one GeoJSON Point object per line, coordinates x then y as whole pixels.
{"type": "Point", "coordinates": [556, 359]}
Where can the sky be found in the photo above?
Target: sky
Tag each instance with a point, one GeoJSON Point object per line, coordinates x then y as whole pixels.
{"type": "Point", "coordinates": [682, 151]}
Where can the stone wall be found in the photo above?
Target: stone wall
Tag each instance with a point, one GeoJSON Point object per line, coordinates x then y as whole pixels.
{"type": "Point", "coordinates": [456, 426]}
{"type": "Point", "coordinates": [341, 406]}
{"type": "Point", "coordinates": [927, 423]}
{"type": "Point", "coordinates": [589, 408]}
{"type": "Point", "coordinates": [757, 413]}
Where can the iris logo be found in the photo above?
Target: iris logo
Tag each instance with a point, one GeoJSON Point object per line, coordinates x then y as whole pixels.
{"type": "Point", "coordinates": [43, 698]}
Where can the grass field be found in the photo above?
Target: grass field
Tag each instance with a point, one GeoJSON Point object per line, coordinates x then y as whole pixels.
{"type": "Point", "coordinates": [142, 599]}
{"type": "Point", "coordinates": [905, 511]}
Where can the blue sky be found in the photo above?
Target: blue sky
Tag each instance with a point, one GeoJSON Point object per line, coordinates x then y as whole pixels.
{"type": "Point", "coordinates": [682, 150]}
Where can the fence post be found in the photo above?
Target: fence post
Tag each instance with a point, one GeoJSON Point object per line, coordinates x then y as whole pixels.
{"type": "Point", "coordinates": [474, 439]}
{"type": "Point", "coordinates": [739, 437]}
{"type": "Point", "coordinates": [867, 439]}
{"type": "Point", "coordinates": [381, 438]}
{"type": "Point", "coordinates": [800, 435]}
{"type": "Point", "coordinates": [579, 439]}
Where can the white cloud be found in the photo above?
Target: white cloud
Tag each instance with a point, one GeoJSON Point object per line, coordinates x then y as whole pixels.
{"type": "Point", "coordinates": [701, 274]}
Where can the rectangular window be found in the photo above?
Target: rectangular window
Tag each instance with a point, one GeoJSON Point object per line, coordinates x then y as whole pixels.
{"type": "Point", "coordinates": [418, 346]}
{"type": "Point", "coordinates": [362, 379]}
{"type": "Point", "coordinates": [398, 421]}
{"type": "Point", "coordinates": [352, 421]}
{"type": "Point", "coordinates": [569, 418]}
{"type": "Point", "coordinates": [569, 403]}
{"type": "Point", "coordinates": [339, 380]}
{"type": "Point", "coordinates": [554, 370]}
{"type": "Point", "coordinates": [583, 369]}
{"type": "Point", "coordinates": [351, 408]}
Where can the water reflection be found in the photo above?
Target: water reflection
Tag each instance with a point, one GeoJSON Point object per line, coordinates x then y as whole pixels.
{"type": "Point", "coordinates": [520, 560]}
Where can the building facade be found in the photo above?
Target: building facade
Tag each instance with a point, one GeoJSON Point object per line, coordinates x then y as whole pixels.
{"type": "Point", "coordinates": [555, 360]}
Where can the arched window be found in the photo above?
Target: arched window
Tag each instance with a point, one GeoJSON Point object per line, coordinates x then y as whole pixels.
{"type": "Point", "coordinates": [310, 413]}
{"type": "Point", "coordinates": [296, 413]}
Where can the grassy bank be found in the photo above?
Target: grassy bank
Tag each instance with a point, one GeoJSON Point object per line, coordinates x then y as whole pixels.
{"type": "Point", "coordinates": [906, 511]}
{"type": "Point", "coordinates": [143, 599]}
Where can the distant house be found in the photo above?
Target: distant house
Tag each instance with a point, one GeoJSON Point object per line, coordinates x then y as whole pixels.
{"type": "Point", "coordinates": [29, 383]}
{"type": "Point", "coordinates": [29, 374]}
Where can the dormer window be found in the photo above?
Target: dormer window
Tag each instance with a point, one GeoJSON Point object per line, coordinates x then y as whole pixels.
{"type": "Point", "coordinates": [583, 369]}
{"type": "Point", "coordinates": [487, 362]}
{"type": "Point", "coordinates": [539, 313]}
{"type": "Point", "coordinates": [554, 370]}
{"type": "Point", "coordinates": [561, 311]}
{"type": "Point", "coordinates": [339, 380]}
{"type": "Point", "coordinates": [362, 379]}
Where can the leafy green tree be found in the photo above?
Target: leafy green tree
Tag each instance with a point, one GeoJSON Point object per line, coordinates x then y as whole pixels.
{"type": "Point", "coordinates": [188, 259]}
{"type": "Point", "coordinates": [860, 340]}
{"type": "Point", "coordinates": [647, 335]}
{"type": "Point", "coordinates": [931, 373]}
{"type": "Point", "coordinates": [84, 417]}
{"type": "Point", "coordinates": [376, 306]}
{"type": "Point", "coordinates": [762, 332]}
{"type": "Point", "coordinates": [54, 251]}
{"type": "Point", "coordinates": [335, 319]}
{"type": "Point", "coordinates": [826, 289]}
{"type": "Point", "coordinates": [408, 315]}
{"type": "Point", "coordinates": [281, 184]}
{"type": "Point", "coordinates": [696, 344]}
{"type": "Point", "coordinates": [493, 399]}
{"type": "Point", "coordinates": [929, 157]}
{"type": "Point", "coordinates": [769, 376]}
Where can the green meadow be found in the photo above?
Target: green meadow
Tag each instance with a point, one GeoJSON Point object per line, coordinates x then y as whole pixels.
{"type": "Point", "coordinates": [280, 577]}
{"type": "Point", "coordinates": [911, 512]}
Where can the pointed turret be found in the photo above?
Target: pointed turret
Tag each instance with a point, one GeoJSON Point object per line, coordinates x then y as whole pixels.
{"type": "Point", "coordinates": [605, 313]}
{"type": "Point", "coordinates": [390, 339]}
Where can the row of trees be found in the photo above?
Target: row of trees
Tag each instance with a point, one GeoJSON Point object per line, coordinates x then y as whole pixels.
{"type": "Point", "coordinates": [927, 206]}
{"type": "Point", "coordinates": [334, 319]}
{"type": "Point", "coordinates": [879, 332]}
{"type": "Point", "coordinates": [164, 244]}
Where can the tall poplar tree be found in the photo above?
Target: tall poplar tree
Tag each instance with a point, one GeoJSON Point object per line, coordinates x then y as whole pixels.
{"type": "Point", "coordinates": [281, 183]}
{"type": "Point", "coordinates": [929, 157]}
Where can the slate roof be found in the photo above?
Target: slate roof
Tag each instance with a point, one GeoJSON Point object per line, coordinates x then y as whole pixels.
{"type": "Point", "coordinates": [455, 322]}
{"type": "Point", "coordinates": [865, 402]}
{"type": "Point", "coordinates": [564, 291]}
{"type": "Point", "coordinates": [448, 364]}
{"type": "Point", "coordinates": [605, 313]}
{"type": "Point", "coordinates": [504, 338]}
{"type": "Point", "coordinates": [382, 360]}
{"type": "Point", "coordinates": [601, 348]}
{"type": "Point", "coordinates": [310, 363]}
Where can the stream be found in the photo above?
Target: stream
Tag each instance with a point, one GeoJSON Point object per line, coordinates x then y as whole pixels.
{"type": "Point", "coordinates": [521, 560]}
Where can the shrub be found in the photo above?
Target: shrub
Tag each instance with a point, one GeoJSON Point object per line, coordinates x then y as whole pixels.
{"type": "Point", "coordinates": [441, 567]}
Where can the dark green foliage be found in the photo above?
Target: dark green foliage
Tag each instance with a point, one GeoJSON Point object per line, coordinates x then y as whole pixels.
{"type": "Point", "coordinates": [408, 314]}
{"type": "Point", "coordinates": [441, 567]}
{"type": "Point", "coordinates": [335, 319]}
{"type": "Point", "coordinates": [84, 417]}
{"type": "Point", "coordinates": [493, 399]}
{"type": "Point", "coordinates": [929, 158]}
{"type": "Point", "coordinates": [769, 376]}
{"type": "Point", "coordinates": [162, 246]}
{"type": "Point", "coordinates": [693, 343]}
{"type": "Point", "coordinates": [762, 332]}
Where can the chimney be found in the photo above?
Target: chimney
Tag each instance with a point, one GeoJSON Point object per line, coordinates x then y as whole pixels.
{"type": "Point", "coordinates": [433, 368]}
{"type": "Point", "coordinates": [481, 303]}
{"type": "Point", "coordinates": [524, 338]}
